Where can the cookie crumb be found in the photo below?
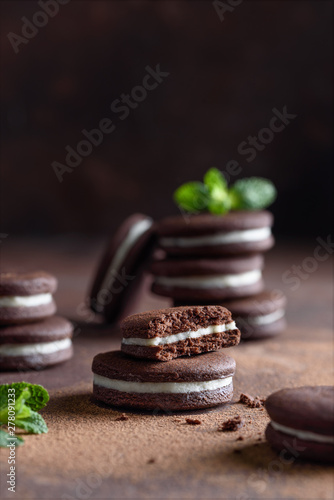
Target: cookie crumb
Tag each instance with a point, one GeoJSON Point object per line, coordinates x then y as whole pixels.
{"type": "Point", "coordinates": [193, 421]}
{"type": "Point", "coordinates": [151, 461]}
{"type": "Point", "coordinates": [121, 417]}
{"type": "Point", "coordinates": [233, 424]}
{"type": "Point", "coordinates": [251, 402]}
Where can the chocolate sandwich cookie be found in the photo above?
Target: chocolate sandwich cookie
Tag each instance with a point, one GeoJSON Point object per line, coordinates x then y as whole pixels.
{"type": "Point", "coordinates": [257, 317]}
{"type": "Point", "coordinates": [302, 422]}
{"type": "Point", "coordinates": [181, 384]}
{"type": "Point", "coordinates": [231, 234]}
{"type": "Point", "coordinates": [260, 316]}
{"type": "Point", "coordinates": [35, 345]}
{"type": "Point", "coordinates": [208, 280]}
{"type": "Point", "coordinates": [180, 331]}
{"type": "Point", "coordinates": [121, 265]}
{"type": "Point", "coordinates": [26, 297]}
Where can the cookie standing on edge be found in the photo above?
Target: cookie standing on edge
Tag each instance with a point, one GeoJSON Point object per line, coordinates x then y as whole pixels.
{"type": "Point", "coordinates": [118, 271]}
{"type": "Point", "coordinates": [201, 235]}
{"type": "Point", "coordinates": [26, 297]}
{"type": "Point", "coordinates": [181, 384]}
{"type": "Point", "coordinates": [182, 331]}
{"type": "Point", "coordinates": [302, 422]}
{"type": "Point", "coordinates": [36, 345]}
{"type": "Point", "coordinates": [208, 280]}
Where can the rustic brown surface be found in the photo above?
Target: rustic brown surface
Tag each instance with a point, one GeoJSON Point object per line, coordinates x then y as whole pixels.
{"type": "Point", "coordinates": [88, 453]}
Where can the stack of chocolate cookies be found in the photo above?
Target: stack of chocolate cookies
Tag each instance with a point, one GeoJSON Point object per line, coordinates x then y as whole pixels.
{"type": "Point", "coordinates": [219, 260]}
{"type": "Point", "coordinates": [170, 359]}
{"type": "Point", "coordinates": [31, 336]}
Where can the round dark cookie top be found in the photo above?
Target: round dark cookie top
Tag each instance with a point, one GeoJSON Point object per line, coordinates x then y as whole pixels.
{"type": "Point", "coordinates": [23, 284]}
{"type": "Point", "coordinates": [46, 330]}
{"type": "Point", "coordinates": [195, 225]}
{"type": "Point", "coordinates": [203, 367]}
{"type": "Point", "coordinates": [200, 267]}
{"type": "Point", "coordinates": [263, 303]}
{"type": "Point", "coordinates": [309, 408]}
{"type": "Point", "coordinates": [164, 322]}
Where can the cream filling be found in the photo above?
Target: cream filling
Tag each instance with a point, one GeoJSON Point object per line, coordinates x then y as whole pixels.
{"type": "Point", "coordinates": [133, 235]}
{"type": "Point", "coordinates": [305, 435]}
{"type": "Point", "coordinates": [26, 301]}
{"type": "Point", "coordinates": [208, 281]}
{"type": "Point", "coordinates": [30, 349]}
{"type": "Point", "coordinates": [266, 319]}
{"type": "Point", "coordinates": [248, 235]}
{"type": "Point", "coordinates": [160, 387]}
{"type": "Point", "coordinates": [170, 339]}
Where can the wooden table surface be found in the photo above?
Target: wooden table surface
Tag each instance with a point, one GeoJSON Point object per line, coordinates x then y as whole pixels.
{"type": "Point", "coordinates": [87, 454]}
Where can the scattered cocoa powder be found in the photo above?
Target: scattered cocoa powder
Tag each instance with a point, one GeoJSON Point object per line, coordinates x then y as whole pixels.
{"type": "Point", "coordinates": [232, 424]}
{"type": "Point", "coordinates": [81, 440]}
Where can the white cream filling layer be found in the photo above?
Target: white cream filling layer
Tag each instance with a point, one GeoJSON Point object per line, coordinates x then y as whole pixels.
{"type": "Point", "coordinates": [132, 237]}
{"type": "Point", "coordinates": [248, 235]}
{"type": "Point", "coordinates": [160, 387]}
{"type": "Point", "coordinates": [305, 435]}
{"type": "Point", "coordinates": [26, 301]}
{"type": "Point", "coordinates": [266, 319]}
{"type": "Point", "coordinates": [30, 349]}
{"type": "Point", "coordinates": [211, 281]}
{"type": "Point", "coordinates": [170, 339]}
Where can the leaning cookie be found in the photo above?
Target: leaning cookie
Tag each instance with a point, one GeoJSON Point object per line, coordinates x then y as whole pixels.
{"type": "Point", "coordinates": [181, 384]}
{"type": "Point", "coordinates": [208, 280]}
{"type": "Point", "coordinates": [26, 297]}
{"type": "Point", "coordinates": [232, 234]}
{"type": "Point", "coordinates": [180, 331]}
{"type": "Point", "coordinates": [302, 423]}
{"type": "Point", "coordinates": [119, 271]}
{"type": "Point", "coordinates": [36, 345]}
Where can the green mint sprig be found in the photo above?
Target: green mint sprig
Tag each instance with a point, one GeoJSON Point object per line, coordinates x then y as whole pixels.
{"type": "Point", "coordinates": [29, 398]}
{"type": "Point", "coordinates": [215, 196]}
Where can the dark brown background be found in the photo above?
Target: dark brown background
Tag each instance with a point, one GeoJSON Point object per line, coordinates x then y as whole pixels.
{"type": "Point", "coordinates": [225, 78]}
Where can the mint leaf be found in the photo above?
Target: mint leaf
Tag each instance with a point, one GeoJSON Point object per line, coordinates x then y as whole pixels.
{"type": "Point", "coordinates": [219, 196]}
{"type": "Point", "coordinates": [20, 409]}
{"type": "Point", "coordinates": [215, 197]}
{"type": "Point", "coordinates": [5, 438]}
{"type": "Point", "coordinates": [38, 395]}
{"type": "Point", "coordinates": [193, 197]}
{"type": "Point", "coordinates": [217, 207]}
{"type": "Point", "coordinates": [35, 423]}
{"type": "Point", "coordinates": [253, 193]}
{"type": "Point", "coordinates": [215, 180]}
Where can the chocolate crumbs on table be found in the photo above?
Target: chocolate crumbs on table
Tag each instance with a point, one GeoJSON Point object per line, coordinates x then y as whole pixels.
{"type": "Point", "coordinates": [251, 402]}
{"type": "Point", "coordinates": [121, 417]}
{"type": "Point", "coordinates": [233, 424]}
{"type": "Point", "coordinates": [193, 421]}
